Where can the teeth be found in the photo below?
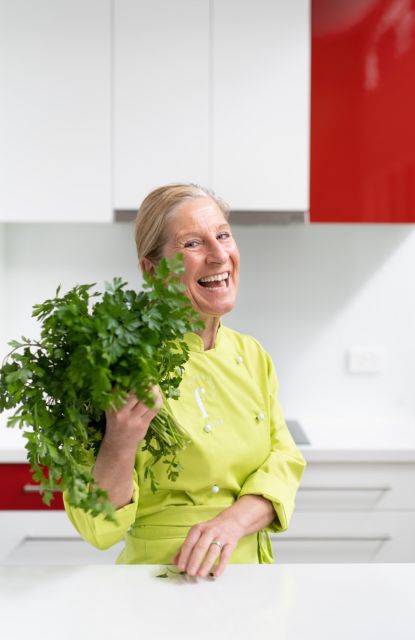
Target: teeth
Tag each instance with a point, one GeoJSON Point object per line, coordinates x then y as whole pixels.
{"type": "Point", "coordinates": [216, 278]}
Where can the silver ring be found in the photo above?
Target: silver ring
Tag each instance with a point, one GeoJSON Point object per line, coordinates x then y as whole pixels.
{"type": "Point", "coordinates": [219, 544]}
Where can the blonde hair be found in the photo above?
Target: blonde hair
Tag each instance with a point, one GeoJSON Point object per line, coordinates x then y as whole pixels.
{"type": "Point", "coordinates": [157, 208]}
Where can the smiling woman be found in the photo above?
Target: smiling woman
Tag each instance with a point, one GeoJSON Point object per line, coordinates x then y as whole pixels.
{"type": "Point", "coordinates": [241, 470]}
{"type": "Point", "coordinates": [198, 229]}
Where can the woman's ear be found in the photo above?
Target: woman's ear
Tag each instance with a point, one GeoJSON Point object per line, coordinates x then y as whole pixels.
{"type": "Point", "coordinates": [147, 265]}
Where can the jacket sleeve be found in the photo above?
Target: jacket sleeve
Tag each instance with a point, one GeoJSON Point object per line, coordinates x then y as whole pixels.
{"type": "Point", "coordinates": [278, 478]}
{"type": "Point", "coordinates": [98, 531]}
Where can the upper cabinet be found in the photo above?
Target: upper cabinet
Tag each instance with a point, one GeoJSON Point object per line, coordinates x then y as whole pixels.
{"type": "Point", "coordinates": [215, 92]}
{"type": "Point", "coordinates": [260, 98]}
{"type": "Point", "coordinates": [161, 96]}
{"type": "Point", "coordinates": [362, 111]}
{"type": "Point", "coordinates": [103, 100]}
{"type": "Point", "coordinates": [55, 110]}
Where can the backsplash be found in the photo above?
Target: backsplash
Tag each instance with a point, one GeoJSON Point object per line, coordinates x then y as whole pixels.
{"type": "Point", "coordinates": [308, 293]}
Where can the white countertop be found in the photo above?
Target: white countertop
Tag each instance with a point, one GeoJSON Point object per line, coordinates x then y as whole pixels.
{"type": "Point", "coordinates": [349, 440]}
{"type": "Point", "coordinates": [353, 439]}
{"type": "Point", "coordinates": [311, 454]}
{"type": "Point", "coordinates": [286, 602]}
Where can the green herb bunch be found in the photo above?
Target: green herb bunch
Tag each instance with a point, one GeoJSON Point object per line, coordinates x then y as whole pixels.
{"type": "Point", "coordinates": [93, 350]}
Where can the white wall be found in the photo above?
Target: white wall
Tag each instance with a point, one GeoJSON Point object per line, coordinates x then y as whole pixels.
{"type": "Point", "coordinates": [307, 293]}
{"type": "Point", "coordinates": [310, 293]}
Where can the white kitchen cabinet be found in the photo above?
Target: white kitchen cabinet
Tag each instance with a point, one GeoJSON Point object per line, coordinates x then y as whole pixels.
{"type": "Point", "coordinates": [348, 536]}
{"type": "Point", "coordinates": [55, 111]}
{"type": "Point", "coordinates": [352, 512]}
{"type": "Point", "coordinates": [261, 80]}
{"type": "Point", "coordinates": [215, 92]}
{"type": "Point", "coordinates": [161, 96]}
{"type": "Point", "coordinates": [46, 537]}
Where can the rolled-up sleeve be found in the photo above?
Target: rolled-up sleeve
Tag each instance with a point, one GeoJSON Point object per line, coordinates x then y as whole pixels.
{"type": "Point", "coordinates": [100, 532]}
{"type": "Point", "coordinates": [278, 478]}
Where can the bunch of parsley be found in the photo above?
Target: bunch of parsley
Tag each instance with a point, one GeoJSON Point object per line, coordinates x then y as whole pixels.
{"type": "Point", "coordinates": [93, 350]}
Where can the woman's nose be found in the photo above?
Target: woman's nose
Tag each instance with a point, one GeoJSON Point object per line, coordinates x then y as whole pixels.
{"type": "Point", "coordinates": [217, 252]}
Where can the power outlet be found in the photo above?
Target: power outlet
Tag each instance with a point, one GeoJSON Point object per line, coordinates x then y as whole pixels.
{"type": "Point", "coordinates": [366, 359]}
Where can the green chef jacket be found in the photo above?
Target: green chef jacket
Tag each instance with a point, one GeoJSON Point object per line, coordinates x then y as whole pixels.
{"type": "Point", "coordinates": [240, 445]}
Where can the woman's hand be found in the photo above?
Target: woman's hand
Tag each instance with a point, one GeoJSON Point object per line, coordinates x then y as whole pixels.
{"type": "Point", "coordinates": [127, 427]}
{"type": "Point", "coordinates": [198, 555]}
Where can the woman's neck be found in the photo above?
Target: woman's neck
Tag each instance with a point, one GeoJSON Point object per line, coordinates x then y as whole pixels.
{"type": "Point", "coordinates": [208, 333]}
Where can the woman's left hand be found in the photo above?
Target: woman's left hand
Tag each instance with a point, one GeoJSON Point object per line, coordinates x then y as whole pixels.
{"type": "Point", "coordinates": [198, 554]}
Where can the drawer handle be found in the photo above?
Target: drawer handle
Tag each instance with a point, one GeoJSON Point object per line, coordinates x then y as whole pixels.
{"type": "Point", "coordinates": [36, 488]}
{"type": "Point", "coordinates": [378, 489]}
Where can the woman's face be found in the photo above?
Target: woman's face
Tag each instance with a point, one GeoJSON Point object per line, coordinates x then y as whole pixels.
{"type": "Point", "coordinates": [199, 230]}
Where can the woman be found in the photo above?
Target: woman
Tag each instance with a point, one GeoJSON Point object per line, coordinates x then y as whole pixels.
{"type": "Point", "coordinates": [242, 469]}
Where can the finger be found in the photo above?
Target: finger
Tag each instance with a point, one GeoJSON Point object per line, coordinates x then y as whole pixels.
{"type": "Point", "coordinates": [157, 397]}
{"type": "Point", "coordinates": [130, 402]}
{"type": "Point", "coordinates": [224, 559]}
{"type": "Point", "coordinates": [141, 408]}
{"type": "Point", "coordinates": [187, 547]}
{"type": "Point", "coordinates": [213, 554]}
{"type": "Point", "coordinates": [141, 411]}
{"type": "Point", "coordinates": [198, 554]}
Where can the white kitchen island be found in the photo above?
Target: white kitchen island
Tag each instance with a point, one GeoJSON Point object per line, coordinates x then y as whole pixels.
{"type": "Point", "coordinates": [285, 602]}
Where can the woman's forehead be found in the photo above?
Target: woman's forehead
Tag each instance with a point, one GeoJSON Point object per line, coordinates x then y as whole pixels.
{"type": "Point", "coordinates": [197, 214]}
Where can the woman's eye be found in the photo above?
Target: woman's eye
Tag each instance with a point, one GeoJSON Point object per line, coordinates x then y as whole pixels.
{"type": "Point", "coordinates": [224, 235]}
{"type": "Point", "coordinates": [191, 243]}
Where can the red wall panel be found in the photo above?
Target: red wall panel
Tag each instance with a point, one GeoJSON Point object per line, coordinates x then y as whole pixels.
{"type": "Point", "coordinates": [363, 111]}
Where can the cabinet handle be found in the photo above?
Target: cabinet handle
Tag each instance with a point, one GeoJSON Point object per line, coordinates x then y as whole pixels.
{"type": "Point", "coordinates": [379, 489]}
{"type": "Point", "coordinates": [36, 488]}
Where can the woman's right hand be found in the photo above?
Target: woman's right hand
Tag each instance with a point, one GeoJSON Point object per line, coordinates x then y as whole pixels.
{"type": "Point", "coordinates": [127, 427]}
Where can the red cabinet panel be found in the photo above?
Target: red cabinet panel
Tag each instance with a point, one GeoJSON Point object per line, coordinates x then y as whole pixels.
{"type": "Point", "coordinates": [18, 491]}
{"type": "Point", "coordinates": [362, 162]}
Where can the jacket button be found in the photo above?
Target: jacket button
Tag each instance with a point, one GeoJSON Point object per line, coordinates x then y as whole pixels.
{"type": "Point", "coordinates": [239, 360]}
{"type": "Point", "coordinates": [260, 417]}
{"type": "Point", "coordinates": [215, 488]}
{"type": "Point", "coordinates": [207, 428]}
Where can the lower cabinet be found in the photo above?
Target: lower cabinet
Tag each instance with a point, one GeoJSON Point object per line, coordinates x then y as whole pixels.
{"type": "Point", "coordinates": [352, 512]}
{"type": "Point", "coordinates": [40, 537]}
{"type": "Point", "coordinates": [32, 533]}
{"type": "Point", "coordinates": [346, 512]}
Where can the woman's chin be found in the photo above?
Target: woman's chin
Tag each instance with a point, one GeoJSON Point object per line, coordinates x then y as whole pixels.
{"type": "Point", "coordinates": [212, 303]}
{"type": "Point", "coordinates": [218, 309]}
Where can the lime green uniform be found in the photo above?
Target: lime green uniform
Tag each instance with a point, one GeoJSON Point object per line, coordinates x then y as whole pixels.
{"type": "Point", "coordinates": [240, 445]}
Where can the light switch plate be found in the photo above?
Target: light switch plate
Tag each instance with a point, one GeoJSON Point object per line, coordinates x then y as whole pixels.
{"type": "Point", "coordinates": [366, 359]}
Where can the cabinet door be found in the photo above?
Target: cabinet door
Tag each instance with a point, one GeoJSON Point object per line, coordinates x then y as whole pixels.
{"type": "Point", "coordinates": [261, 103]}
{"type": "Point", "coordinates": [55, 110]}
{"type": "Point", "coordinates": [362, 112]}
{"type": "Point", "coordinates": [39, 537]}
{"type": "Point", "coordinates": [347, 536]}
{"type": "Point", "coordinates": [161, 100]}
{"type": "Point", "coordinates": [357, 485]}
{"type": "Point", "coordinates": [18, 491]}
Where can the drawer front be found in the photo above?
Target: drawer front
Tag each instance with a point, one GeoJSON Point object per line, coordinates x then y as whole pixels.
{"type": "Point", "coordinates": [365, 486]}
{"type": "Point", "coordinates": [347, 536]}
{"type": "Point", "coordinates": [17, 526]}
{"type": "Point", "coordinates": [326, 549]}
{"type": "Point", "coordinates": [33, 550]}
{"type": "Point", "coordinates": [18, 491]}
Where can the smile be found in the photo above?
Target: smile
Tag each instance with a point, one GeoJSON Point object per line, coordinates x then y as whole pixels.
{"type": "Point", "coordinates": [215, 281]}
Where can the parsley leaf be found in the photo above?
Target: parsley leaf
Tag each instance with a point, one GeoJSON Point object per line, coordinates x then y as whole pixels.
{"type": "Point", "coordinates": [94, 348]}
